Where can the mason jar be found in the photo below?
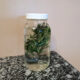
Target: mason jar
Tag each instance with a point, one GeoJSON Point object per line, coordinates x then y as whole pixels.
{"type": "Point", "coordinates": [37, 42]}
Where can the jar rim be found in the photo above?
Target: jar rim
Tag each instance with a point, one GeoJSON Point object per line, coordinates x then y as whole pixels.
{"type": "Point", "coordinates": [37, 16]}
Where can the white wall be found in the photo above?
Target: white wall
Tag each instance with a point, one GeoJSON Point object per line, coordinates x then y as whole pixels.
{"type": "Point", "coordinates": [64, 19]}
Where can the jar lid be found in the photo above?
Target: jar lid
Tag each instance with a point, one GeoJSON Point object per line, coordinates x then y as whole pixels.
{"type": "Point", "coordinates": [36, 16]}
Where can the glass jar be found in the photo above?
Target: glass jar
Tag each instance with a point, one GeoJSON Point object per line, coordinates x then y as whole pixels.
{"type": "Point", "coordinates": [37, 42]}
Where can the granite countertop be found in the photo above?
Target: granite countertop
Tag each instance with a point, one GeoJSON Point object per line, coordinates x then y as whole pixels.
{"type": "Point", "coordinates": [13, 68]}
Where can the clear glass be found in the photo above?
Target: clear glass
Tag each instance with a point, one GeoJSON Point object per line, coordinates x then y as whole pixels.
{"type": "Point", "coordinates": [37, 44]}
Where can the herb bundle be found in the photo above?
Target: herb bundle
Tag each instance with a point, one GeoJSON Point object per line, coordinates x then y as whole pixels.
{"type": "Point", "coordinates": [39, 40]}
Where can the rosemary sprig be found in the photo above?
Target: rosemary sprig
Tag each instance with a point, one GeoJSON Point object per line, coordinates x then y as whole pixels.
{"type": "Point", "coordinates": [39, 40]}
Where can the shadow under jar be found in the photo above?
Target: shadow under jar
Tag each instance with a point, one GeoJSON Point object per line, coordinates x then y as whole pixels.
{"type": "Point", "coordinates": [37, 42]}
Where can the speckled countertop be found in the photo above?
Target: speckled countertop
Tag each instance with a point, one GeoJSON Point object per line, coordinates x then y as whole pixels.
{"type": "Point", "coordinates": [13, 68]}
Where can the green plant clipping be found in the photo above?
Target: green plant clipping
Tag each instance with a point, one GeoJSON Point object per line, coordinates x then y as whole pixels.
{"type": "Point", "coordinates": [39, 40]}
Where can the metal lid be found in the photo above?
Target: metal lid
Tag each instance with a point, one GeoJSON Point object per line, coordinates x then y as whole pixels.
{"type": "Point", "coordinates": [36, 16]}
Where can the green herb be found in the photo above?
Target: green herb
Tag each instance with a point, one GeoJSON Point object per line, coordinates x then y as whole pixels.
{"type": "Point", "coordinates": [39, 40]}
